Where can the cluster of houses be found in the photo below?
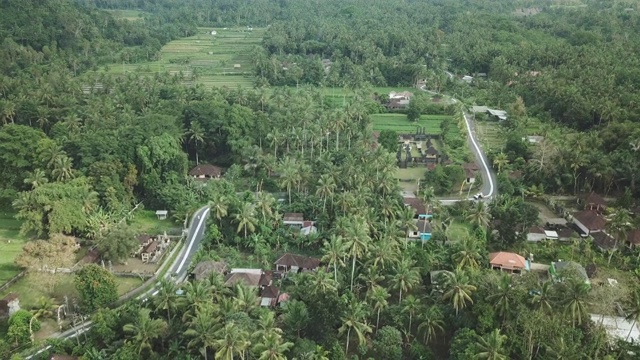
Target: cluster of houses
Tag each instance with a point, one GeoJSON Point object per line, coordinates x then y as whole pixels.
{"type": "Point", "coordinates": [297, 221]}
{"type": "Point", "coordinates": [398, 100]}
{"type": "Point", "coordinates": [427, 154]}
{"type": "Point", "coordinates": [269, 294]}
{"type": "Point", "coordinates": [422, 220]}
{"type": "Point", "coordinates": [151, 249]}
{"type": "Point", "coordinates": [494, 114]}
{"type": "Point", "coordinates": [588, 222]}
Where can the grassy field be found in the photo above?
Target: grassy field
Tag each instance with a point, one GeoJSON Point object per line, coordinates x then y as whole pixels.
{"type": "Point", "coordinates": [212, 60]}
{"type": "Point", "coordinates": [401, 125]}
{"type": "Point", "coordinates": [492, 136]}
{"type": "Point", "coordinates": [146, 221]}
{"type": "Point", "coordinates": [11, 243]}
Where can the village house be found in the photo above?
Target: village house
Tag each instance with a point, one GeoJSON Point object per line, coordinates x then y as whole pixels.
{"type": "Point", "coordinates": [423, 231]}
{"type": "Point", "coordinates": [9, 305]}
{"type": "Point", "coordinates": [248, 277]}
{"type": "Point", "coordinates": [493, 114]}
{"type": "Point", "coordinates": [533, 139]}
{"type": "Point", "coordinates": [296, 263]}
{"type": "Point", "coordinates": [205, 268]}
{"type": "Point", "coordinates": [595, 202]}
{"type": "Point", "coordinates": [162, 214]}
{"type": "Point", "coordinates": [399, 100]}
{"type": "Point", "coordinates": [507, 262]}
{"type": "Point", "coordinates": [633, 238]}
{"type": "Point", "coordinates": [143, 241]}
{"type": "Point", "coordinates": [206, 172]}
{"type": "Point", "coordinates": [536, 233]}
{"type": "Point", "coordinates": [297, 221]}
{"type": "Point", "coordinates": [270, 296]}
{"type": "Point", "coordinates": [470, 170]}
{"type": "Point", "coordinates": [417, 205]}
{"type": "Point", "coordinates": [604, 241]}
{"type": "Point", "coordinates": [589, 221]}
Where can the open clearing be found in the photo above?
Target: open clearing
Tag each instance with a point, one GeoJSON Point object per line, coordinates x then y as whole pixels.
{"type": "Point", "coordinates": [11, 243]}
{"type": "Point", "coordinates": [212, 60]}
{"type": "Point", "coordinates": [146, 222]}
{"type": "Point", "coordinates": [400, 124]}
{"type": "Point", "coordinates": [492, 137]}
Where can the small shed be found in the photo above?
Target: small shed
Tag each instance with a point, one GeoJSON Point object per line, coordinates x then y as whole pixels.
{"type": "Point", "coordinates": [213, 32]}
{"type": "Point", "coordinates": [237, 66]}
{"type": "Point", "coordinates": [161, 214]}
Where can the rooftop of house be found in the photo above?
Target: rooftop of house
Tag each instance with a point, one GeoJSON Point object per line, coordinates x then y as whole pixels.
{"type": "Point", "coordinates": [557, 221]}
{"type": "Point", "coordinates": [431, 151]}
{"type": "Point", "coordinates": [402, 94]}
{"type": "Point", "coordinates": [604, 240]}
{"type": "Point", "coordinates": [479, 109]}
{"type": "Point", "coordinates": [266, 278]}
{"type": "Point", "coordinates": [303, 262]}
{"type": "Point", "coordinates": [151, 247]}
{"type": "Point", "coordinates": [536, 230]}
{"type": "Point", "coordinates": [634, 237]}
{"type": "Point", "coordinates": [206, 170]}
{"type": "Point", "coordinates": [424, 226]}
{"type": "Point", "coordinates": [565, 233]}
{"type": "Point", "coordinates": [507, 260]}
{"type": "Point", "coordinates": [416, 204]}
{"type": "Point", "coordinates": [293, 217]}
{"type": "Point", "coordinates": [591, 219]}
{"type": "Point", "coordinates": [162, 212]}
{"type": "Point", "coordinates": [595, 199]}
{"type": "Point", "coordinates": [271, 292]}
{"type": "Point", "coordinates": [469, 173]}
{"type": "Point", "coordinates": [204, 268]}
{"type": "Point", "coordinates": [471, 166]}
{"type": "Point", "coordinates": [249, 279]}
{"type": "Point", "coordinates": [143, 238]}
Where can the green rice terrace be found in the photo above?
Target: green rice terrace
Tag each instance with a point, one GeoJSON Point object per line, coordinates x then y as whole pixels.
{"type": "Point", "coordinates": [400, 124]}
{"type": "Point", "coordinates": [213, 57]}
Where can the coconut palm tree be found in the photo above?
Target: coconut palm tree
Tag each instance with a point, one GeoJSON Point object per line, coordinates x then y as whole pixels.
{"type": "Point", "coordinates": [406, 277]}
{"type": "Point", "coordinates": [326, 188]}
{"type": "Point", "coordinates": [410, 306]}
{"type": "Point", "coordinates": [271, 347]}
{"type": "Point", "coordinates": [468, 255]}
{"type": "Point", "coordinates": [265, 203]}
{"type": "Point", "coordinates": [458, 290]}
{"type": "Point", "coordinates": [230, 340]}
{"type": "Point", "coordinates": [620, 224]}
{"type": "Point", "coordinates": [289, 175]}
{"type": "Point", "coordinates": [543, 300]}
{"type": "Point", "coordinates": [62, 169]}
{"type": "Point", "coordinates": [502, 296]}
{"type": "Point", "coordinates": [632, 309]}
{"type": "Point", "coordinates": [334, 253]}
{"type": "Point", "coordinates": [197, 295]}
{"type": "Point", "coordinates": [479, 214]}
{"type": "Point", "coordinates": [574, 300]}
{"type": "Point", "coordinates": [431, 323]}
{"type": "Point", "coordinates": [246, 298]}
{"type": "Point", "coordinates": [220, 207]}
{"type": "Point", "coordinates": [166, 299]}
{"type": "Point", "coordinates": [355, 320]}
{"type": "Point", "coordinates": [322, 282]}
{"type": "Point", "coordinates": [145, 329]}
{"type": "Point", "coordinates": [500, 160]}
{"type": "Point", "coordinates": [202, 329]}
{"type": "Point", "coordinates": [195, 135]}
{"type": "Point", "coordinates": [246, 218]}
{"type": "Point", "coordinates": [357, 242]}
{"type": "Point", "coordinates": [491, 346]}
{"type": "Point", "coordinates": [295, 316]}
{"type": "Point", "coordinates": [378, 298]}
{"type": "Point", "coordinates": [266, 326]}
{"type": "Point", "coordinates": [385, 252]}
{"type": "Point", "coordinates": [45, 308]}
{"type": "Point", "coordinates": [36, 178]}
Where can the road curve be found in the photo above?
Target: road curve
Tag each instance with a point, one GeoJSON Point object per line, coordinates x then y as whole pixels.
{"type": "Point", "coordinates": [177, 271]}
{"type": "Point", "coordinates": [489, 187]}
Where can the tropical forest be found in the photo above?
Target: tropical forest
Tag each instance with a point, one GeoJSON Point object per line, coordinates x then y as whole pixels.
{"type": "Point", "coordinates": [319, 179]}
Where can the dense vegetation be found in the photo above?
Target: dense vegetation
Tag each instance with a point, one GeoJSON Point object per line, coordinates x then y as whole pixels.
{"type": "Point", "coordinates": [79, 151]}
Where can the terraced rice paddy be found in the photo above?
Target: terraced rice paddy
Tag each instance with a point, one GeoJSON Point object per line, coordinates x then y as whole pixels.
{"type": "Point", "coordinates": [216, 60]}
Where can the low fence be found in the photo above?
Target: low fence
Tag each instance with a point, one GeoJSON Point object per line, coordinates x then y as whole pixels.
{"type": "Point", "coordinates": [13, 280]}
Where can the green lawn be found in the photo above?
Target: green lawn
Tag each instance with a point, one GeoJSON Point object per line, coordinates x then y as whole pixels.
{"type": "Point", "coordinates": [11, 243]}
{"type": "Point", "coordinates": [206, 59]}
{"type": "Point", "coordinates": [492, 136]}
{"type": "Point", "coordinates": [401, 125]}
{"type": "Point", "coordinates": [146, 221]}
{"type": "Point", "coordinates": [410, 173]}
{"type": "Point", "coordinates": [338, 96]}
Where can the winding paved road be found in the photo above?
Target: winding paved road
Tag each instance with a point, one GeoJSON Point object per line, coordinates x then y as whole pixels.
{"type": "Point", "coordinates": [177, 271]}
{"type": "Point", "coordinates": [489, 188]}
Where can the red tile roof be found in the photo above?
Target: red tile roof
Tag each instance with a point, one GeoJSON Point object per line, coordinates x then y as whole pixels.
{"type": "Point", "coordinates": [206, 170]}
{"type": "Point", "coordinates": [507, 260]}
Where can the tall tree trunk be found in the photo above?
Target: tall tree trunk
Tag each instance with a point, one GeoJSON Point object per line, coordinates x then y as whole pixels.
{"type": "Point", "coordinates": [346, 350]}
{"type": "Point", "coordinates": [289, 191]}
{"type": "Point", "coordinates": [335, 271]}
{"type": "Point", "coordinates": [400, 301]}
{"type": "Point", "coordinates": [353, 270]}
{"type": "Point", "coordinates": [378, 320]}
